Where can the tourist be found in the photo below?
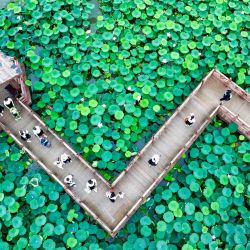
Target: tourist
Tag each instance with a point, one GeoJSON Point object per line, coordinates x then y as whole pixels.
{"type": "Point", "coordinates": [58, 163]}
{"type": "Point", "coordinates": [65, 158]}
{"type": "Point", "coordinates": [190, 120]}
{"type": "Point", "coordinates": [227, 96]}
{"type": "Point", "coordinates": [15, 113]}
{"type": "Point", "coordinates": [8, 103]}
{"type": "Point", "coordinates": [44, 141]}
{"type": "Point", "coordinates": [112, 196]}
{"type": "Point", "coordinates": [91, 185]}
{"type": "Point", "coordinates": [25, 135]}
{"type": "Point", "coordinates": [38, 132]}
{"type": "Point", "coordinates": [69, 180]}
{"type": "Point", "coordinates": [1, 110]}
{"type": "Point", "coordinates": [154, 160]}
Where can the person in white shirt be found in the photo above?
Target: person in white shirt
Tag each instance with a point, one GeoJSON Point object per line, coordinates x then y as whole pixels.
{"type": "Point", "coordinates": [91, 185]}
{"type": "Point", "coordinates": [190, 120]}
{"type": "Point", "coordinates": [69, 180]}
{"type": "Point", "coordinates": [112, 196]}
{"type": "Point", "coordinates": [8, 103]}
{"type": "Point", "coordinates": [154, 160]}
{"type": "Point", "coordinates": [63, 159]}
{"type": "Point", "coordinates": [38, 132]}
{"type": "Point", "coordinates": [25, 135]}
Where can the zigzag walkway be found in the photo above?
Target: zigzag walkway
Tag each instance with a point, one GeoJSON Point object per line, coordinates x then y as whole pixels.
{"type": "Point", "coordinates": [137, 180]}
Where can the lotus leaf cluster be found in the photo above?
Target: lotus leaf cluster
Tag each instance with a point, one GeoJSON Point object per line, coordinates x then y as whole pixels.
{"type": "Point", "coordinates": [105, 75]}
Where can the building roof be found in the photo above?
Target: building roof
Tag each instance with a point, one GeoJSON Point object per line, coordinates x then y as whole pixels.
{"type": "Point", "coordinates": [8, 68]}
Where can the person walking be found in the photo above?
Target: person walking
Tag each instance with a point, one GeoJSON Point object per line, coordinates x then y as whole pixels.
{"type": "Point", "coordinates": [15, 113]}
{"type": "Point", "coordinates": [69, 180]}
{"type": "Point", "coordinates": [1, 109]}
{"type": "Point", "coordinates": [25, 135]}
{"type": "Point", "coordinates": [112, 196]}
{"type": "Point", "coordinates": [38, 131]}
{"type": "Point", "coordinates": [8, 103]}
{"type": "Point", "coordinates": [154, 160]}
{"type": "Point", "coordinates": [190, 120]}
{"type": "Point", "coordinates": [58, 163]}
{"type": "Point", "coordinates": [91, 185]}
{"type": "Point", "coordinates": [227, 96]}
{"type": "Point", "coordinates": [65, 158]}
{"type": "Point", "coordinates": [44, 141]}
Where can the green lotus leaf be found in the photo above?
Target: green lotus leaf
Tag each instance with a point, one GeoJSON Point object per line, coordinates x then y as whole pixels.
{"type": "Point", "coordinates": [71, 51]}
{"type": "Point", "coordinates": [146, 30]}
{"type": "Point", "coordinates": [246, 157]}
{"type": "Point", "coordinates": [168, 96]}
{"type": "Point", "coordinates": [77, 79]}
{"type": "Point", "coordinates": [71, 242]}
{"type": "Point", "coordinates": [74, 92]}
{"type": "Point", "coordinates": [35, 241]}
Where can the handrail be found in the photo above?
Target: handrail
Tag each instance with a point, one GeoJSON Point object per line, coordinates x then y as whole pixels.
{"type": "Point", "coordinates": [168, 167]}
{"type": "Point", "coordinates": [162, 128]}
{"type": "Point", "coordinates": [63, 142]}
{"type": "Point", "coordinates": [229, 116]}
{"type": "Point", "coordinates": [232, 85]}
{"type": "Point", "coordinates": [80, 202]}
{"type": "Point", "coordinates": [113, 228]}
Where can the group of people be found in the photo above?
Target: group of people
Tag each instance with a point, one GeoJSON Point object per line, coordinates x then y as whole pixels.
{"type": "Point", "coordinates": [38, 132]}
{"type": "Point", "coordinates": [9, 104]}
{"type": "Point", "coordinates": [24, 134]}
{"type": "Point", "coordinates": [91, 185]}
{"type": "Point", "coordinates": [190, 120]}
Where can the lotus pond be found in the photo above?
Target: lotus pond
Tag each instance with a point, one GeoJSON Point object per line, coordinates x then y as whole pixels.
{"type": "Point", "coordinates": [86, 72]}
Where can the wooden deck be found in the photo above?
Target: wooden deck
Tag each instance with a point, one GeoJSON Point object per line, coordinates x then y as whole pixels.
{"type": "Point", "coordinates": [138, 180]}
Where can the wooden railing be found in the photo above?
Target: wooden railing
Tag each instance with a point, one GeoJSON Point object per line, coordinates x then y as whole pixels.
{"type": "Point", "coordinates": [166, 169]}
{"type": "Point", "coordinates": [231, 85]}
{"type": "Point", "coordinates": [46, 128]}
{"type": "Point", "coordinates": [229, 116]}
{"type": "Point", "coordinates": [222, 111]}
{"type": "Point", "coordinates": [162, 128]}
{"type": "Point", "coordinates": [53, 175]}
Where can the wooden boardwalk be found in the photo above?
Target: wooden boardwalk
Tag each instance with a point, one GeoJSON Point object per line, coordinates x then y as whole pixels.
{"type": "Point", "coordinates": [138, 180]}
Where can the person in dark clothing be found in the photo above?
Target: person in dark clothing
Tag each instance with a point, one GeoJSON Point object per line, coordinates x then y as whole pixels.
{"type": "Point", "coordinates": [227, 96]}
{"type": "Point", "coordinates": [154, 160]}
{"type": "Point", "coordinates": [1, 110]}
{"type": "Point", "coordinates": [91, 185]}
{"type": "Point", "coordinates": [112, 196]}
{"type": "Point", "coordinates": [190, 120]}
{"type": "Point", "coordinates": [45, 142]}
{"type": "Point", "coordinates": [25, 135]}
